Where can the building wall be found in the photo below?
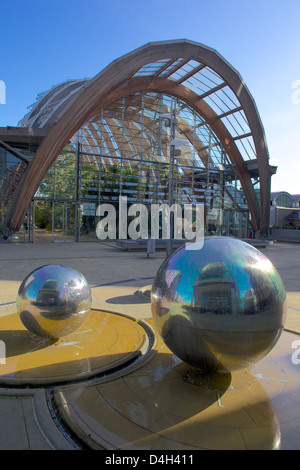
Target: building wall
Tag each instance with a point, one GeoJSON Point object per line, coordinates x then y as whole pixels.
{"type": "Point", "coordinates": [285, 234]}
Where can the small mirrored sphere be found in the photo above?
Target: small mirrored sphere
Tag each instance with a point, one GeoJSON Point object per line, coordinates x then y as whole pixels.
{"type": "Point", "coordinates": [53, 301]}
{"type": "Point", "coordinates": [220, 307]}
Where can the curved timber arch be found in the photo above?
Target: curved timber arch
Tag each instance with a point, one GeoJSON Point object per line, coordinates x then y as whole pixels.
{"type": "Point", "coordinates": [121, 78]}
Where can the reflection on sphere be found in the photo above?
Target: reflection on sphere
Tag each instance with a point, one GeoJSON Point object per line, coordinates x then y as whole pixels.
{"type": "Point", "coordinates": [53, 301]}
{"type": "Point", "coordinates": [219, 307]}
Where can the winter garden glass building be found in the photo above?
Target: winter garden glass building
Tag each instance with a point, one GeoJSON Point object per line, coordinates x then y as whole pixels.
{"type": "Point", "coordinates": [172, 121]}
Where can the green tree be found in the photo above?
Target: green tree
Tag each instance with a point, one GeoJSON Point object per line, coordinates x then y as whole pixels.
{"type": "Point", "coordinates": [58, 184]}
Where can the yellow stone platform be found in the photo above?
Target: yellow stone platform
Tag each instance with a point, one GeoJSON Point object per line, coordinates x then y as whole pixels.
{"type": "Point", "coordinates": [166, 405]}
{"type": "Point", "coordinates": [104, 342]}
{"type": "Point", "coordinates": [153, 403]}
{"type": "Point", "coordinates": [116, 385]}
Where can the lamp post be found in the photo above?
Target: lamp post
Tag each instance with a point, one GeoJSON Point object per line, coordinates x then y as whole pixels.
{"type": "Point", "coordinates": [171, 184]}
{"type": "Point", "coordinates": [174, 152]}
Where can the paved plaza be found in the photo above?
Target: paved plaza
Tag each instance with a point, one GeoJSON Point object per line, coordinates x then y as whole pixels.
{"type": "Point", "coordinates": [119, 280]}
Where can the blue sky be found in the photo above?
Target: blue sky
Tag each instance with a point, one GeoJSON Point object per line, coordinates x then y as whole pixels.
{"type": "Point", "coordinates": [45, 42]}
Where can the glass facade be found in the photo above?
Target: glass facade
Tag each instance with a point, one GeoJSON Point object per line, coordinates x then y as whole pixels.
{"type": "Point", "coordinates": [151, 148]}
{"type": "Point", "coordinates": [284, 200]}
{"type": "Point", "coordinates": [169, 122]}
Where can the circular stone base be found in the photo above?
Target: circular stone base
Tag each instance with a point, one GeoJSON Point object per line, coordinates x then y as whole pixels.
{"type": "Point", "coordinates": [105, 342]}
{"type": "Point", "coordinates": [169, 405]}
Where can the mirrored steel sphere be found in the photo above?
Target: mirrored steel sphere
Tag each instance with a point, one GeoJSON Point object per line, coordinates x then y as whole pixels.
{"type": "Point", "coordinates": [53, 301]}
{"type": "Point", "coordinates": [219, 307]}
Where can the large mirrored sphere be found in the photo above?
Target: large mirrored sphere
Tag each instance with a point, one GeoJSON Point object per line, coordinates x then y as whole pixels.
{"type": "Point", "coordinates": [53, 301]}
{"type": "Point", "coordinates": [221, 307]}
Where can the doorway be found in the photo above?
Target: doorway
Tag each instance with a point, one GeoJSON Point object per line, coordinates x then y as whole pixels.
{"type": "Point", "coordinates": [63, 221]}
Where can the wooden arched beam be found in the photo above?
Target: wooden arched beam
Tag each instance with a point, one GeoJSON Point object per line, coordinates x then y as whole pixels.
{"type": "Point", "coordinates": [111, 84]}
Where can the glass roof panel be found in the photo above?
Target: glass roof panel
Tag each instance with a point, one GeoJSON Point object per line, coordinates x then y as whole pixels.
{"type": "Point", "coordinates": [246, 147]}
{"type": "Point", "coordinates": [151, 69]}
{"type": "Point", "coordinates": [236, 123]}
